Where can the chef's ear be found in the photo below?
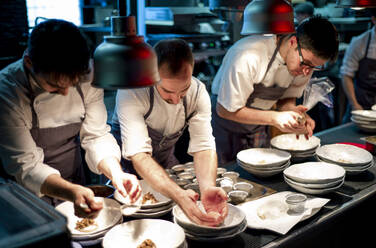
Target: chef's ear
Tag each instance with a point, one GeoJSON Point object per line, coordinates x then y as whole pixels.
{"type": "Point", "coordinates": [27, 61]}
{"type": "Point", "coordinates": [293, 40]}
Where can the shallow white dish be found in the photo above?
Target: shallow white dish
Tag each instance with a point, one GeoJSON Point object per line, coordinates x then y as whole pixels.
{"type": "Point", "coordinates": [151, 215]}
{"type": "Point", "coordinates": [132, 233]}
{"type": "Point", "coordinates": [361, 121]}
{"type": "Point", "coordinates": [264, 173]}
{"type": "Point", "coordinates": [366, 114]}
{"type": "Point", "coordinates": [289, 142]}
{"type": "Point", "coordinates": [234, 218]}
{"type": "Point", "coordinates": [266, 169]}
{"type": "Point", "coordinates": [315, 172]}
{"type": "Point", "coordinates": [344, 154]}
{"type": "Point", "coordinates": [316, 185]}
{"type": "Point", "coordinates": [107, 217]}
{"type": "Point", "coordinates": [162, 200]}
{"type": "Point", "coordinates": [312, 191]}
{"type": "Point", "coordinates": [263, 157]}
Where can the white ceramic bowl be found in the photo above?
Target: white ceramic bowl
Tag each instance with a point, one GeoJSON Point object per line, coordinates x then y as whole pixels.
{"type": "Point", "coordinates": [344, 154]}
{"type": "Point", "coordinates": [289, 142]}
{"type": "Point", "coordinates": [263, 157]}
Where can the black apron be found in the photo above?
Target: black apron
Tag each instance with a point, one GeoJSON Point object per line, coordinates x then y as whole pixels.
{"type": "Point", "coordinates": [61, 147]}
{"type": "Point", "coordinates": [163, 145]}
{"type": "Point", "coordinates": [232, 137]}
{"type": "Point", "coordinates": [365, 80]}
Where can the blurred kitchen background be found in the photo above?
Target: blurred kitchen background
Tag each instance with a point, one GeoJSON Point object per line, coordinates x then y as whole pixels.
{"type": "Point", "coordinates": [210, 27]}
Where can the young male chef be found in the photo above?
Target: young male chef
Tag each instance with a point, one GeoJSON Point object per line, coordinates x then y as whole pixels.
{"type": "Point", "coordinates": [260, 71]}
{"type": "Point", "coordinates": [151, 120]}
{"type": "Point", "coordinates": [48, 109]}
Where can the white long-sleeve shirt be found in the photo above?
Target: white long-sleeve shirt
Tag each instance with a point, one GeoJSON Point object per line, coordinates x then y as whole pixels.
{"type": "Point", "coordinates": [132, 105]}
{"type": "Point", "coordinates": [20, 155]}
{"type": "Point", "coordinates": [244, 65]}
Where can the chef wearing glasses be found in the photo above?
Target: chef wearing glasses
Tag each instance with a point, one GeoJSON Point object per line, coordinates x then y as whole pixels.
{"type": "Point", "coordinates": [261, 71]}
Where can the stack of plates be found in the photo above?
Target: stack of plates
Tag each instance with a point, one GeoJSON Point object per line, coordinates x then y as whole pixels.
{"type": "Point", "coordinates": [153, 210]}
{"type": "Point", "coordinates": [108, 217]}
{"type": "Point", "coordinates": [353, 159]}
{"type": "Point", "coordinates": [234, 224]}
{"type": "Point", "coordinates": [315, 177]}
{"type": "Point", "coordinates": [132, 233]}
{"type": "Point", "coordinates": [300, 149]}
{"type": "Point", "coordinates": [263, 162]}
{"type": "Point", "coordinates": [365, 120]}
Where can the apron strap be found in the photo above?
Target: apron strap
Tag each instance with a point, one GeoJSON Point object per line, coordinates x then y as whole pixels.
{"type": "Point", "coordinates": [151, 97]}
{"type": "Point", "coordinates": [273, 56]}
{"type": "Point", "coordinates": [368, 42]}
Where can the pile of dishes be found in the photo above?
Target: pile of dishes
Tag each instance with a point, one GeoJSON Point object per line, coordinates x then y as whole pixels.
{"type": "Point", "coordinates": [315, 177]}
{"type": "Point", "coordinates": [147, 209]}
{"type": "Point", "coordinates": [300, 148]}
{"type": "Point", "coordinates": [108, 217]}
{"type": "Point", "coordinates": [133, 233]}
{"type": "Point", "coordinates": [365, 120]}
{"type": "Point", "coordinates": [263, 162]}
{"type": "Point", "coordinates": [353, 159]}
{"type": "Point", "coordinates": [234, 224]}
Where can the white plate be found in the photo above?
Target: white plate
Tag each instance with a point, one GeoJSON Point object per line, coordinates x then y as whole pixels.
{"type": "Point", "coordinates": [373, 107]}
{"type": "Point", "coordinates": [151, 215]}
{"type": "Point", "coordinates": [154, 210]}
{"type": "Point", "coordinates": [367, 114]}
{"type": "Point", "coordinates": [362, 121]}
{"type": "Point", "coordinates": [280, 220]}
{"type": "Point", "coordinates": [315, 172]}
{"type": "Point", "coordinates": [316, 185]}
{"type": "Point", "coordinates": [289, 142]}
{"type": "Point", "coordinates": [266, 169]}
{"type": "Point", "coordinates": [263, 157]}
{"type": "Point", "coordinates": [344, 154]}
{"type": "Point", "coordinates": [132, 233]}
{"type": "Point", "coordinates": [233, 219]}
{"type": "Point", "coordinates": [311, 190]}
{"type": "Point", "coordinates": [264, 173]}
{"type": "Point", "coordinates": [107, 217]}
{"type": "Point", "coordinates": [162, 200]}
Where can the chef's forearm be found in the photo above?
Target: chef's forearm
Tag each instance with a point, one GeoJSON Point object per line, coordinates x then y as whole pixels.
{"type": "Point", "coordinates": [57, 187]}
{"type": "Point", "coordinates": [110, 166]}
{"type": "Point", "coordinates": [348, 87]}
{"type": "Point", "coordinates": [155, 175]}
{"type": "Point", "coordinates": [247, 115]}
{"type": "Point", "coordinates": [206, 168]}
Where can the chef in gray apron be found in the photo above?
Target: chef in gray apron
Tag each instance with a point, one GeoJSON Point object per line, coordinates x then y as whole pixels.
{"type": "Point", "coordinates": [44, 122]}
{"type": "Point", "coordinates": [148, 122]}
{"type": "Point", "coordinates": [359, 72]}
{"type": "Point", "coordinates": [257, 73]}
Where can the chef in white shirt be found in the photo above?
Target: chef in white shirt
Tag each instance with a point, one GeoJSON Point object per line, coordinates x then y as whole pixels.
{"type": "Point", "coordinates": [260, 71]}
{"type": "Point", "coordinates": [151, 120]}
{"type": "Point", "coordinates": [48, 109]}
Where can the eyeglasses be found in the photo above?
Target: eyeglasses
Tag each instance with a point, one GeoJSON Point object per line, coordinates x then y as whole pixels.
{"type": "Point", "coordinates": [302, 63]}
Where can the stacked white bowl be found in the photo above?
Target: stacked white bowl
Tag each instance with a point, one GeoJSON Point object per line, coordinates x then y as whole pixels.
{"type": "Point", "coordinates": [353, 159]}
{"type": "Point", "coordinates": [148, 210]}
{"type": "Point", "coordinates": [314, 177]}
{"type": "Point", "coordinates": [299, 147]}
{"type": "Point", "coordinates": [234, 224]}
{"type": "Point", "coordinates": [365, 120]}
{"type": "Point", "coordinates": [263, 162]}
{"type": "Point", "coordinates": [133, 233]}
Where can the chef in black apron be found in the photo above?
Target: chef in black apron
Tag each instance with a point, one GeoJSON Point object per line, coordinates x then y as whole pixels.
{"type": "Point", "coordinates": [148, 123]}
{"type": "Point", "coordinates": [47, 117]}
{"type": "Point", "coordinates": [259, 72]}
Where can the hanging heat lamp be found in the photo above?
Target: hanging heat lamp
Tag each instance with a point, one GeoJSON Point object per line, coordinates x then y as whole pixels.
{"type": "Point", "coordinates": [123, 60]}
{"type": "Point", "coordinates": [356, 3]}
{"type": "Point", "coordinates": [268, 17]}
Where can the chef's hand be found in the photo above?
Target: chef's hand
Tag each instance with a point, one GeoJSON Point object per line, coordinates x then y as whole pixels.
{"type": "Point", "coordinates": [288, 122]}
{"type": "Point", "coordinates": [187, 202]}
{"type": "Point", "coordinates": [85, 205]}
{"type": "Point", "coordinates": [308, 122]}
{"type": "Point", "coordinates": [214, 200]}
{"type": "Point", "coordinates": [127, 184]}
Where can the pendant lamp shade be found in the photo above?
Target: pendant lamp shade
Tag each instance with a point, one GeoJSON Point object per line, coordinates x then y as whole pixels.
{"type": "Point", "coordinates": [123, 60]}
{"type": "Point", "coordinates": [268, 17]}
{"type": "Point", "coordinates": [356, 3]}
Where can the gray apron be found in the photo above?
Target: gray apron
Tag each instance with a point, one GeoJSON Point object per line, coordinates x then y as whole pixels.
{"type": "Point", "coordinates": [365, 80]}
{"type": "Point", "coordinates": [163, 145]}
{"type": "Point", "coordinates": [232, 137]}
{"type": "Point", "coordinates": [61, 147]}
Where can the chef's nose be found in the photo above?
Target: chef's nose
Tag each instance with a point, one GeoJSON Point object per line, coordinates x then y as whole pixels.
{"type": "Point", "coordinates": [175, 98]}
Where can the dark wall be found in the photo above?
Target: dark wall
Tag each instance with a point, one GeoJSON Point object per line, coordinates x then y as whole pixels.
{"type": "Point", "coordinates": [13, 30]}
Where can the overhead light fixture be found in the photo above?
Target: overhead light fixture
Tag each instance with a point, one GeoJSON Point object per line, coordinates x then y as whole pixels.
{"type": "Point", "coordinates": [268, 17]}
{"type": "Point", "coordinates": [356, 4]}
{"type": "Point", "coordinates": [123, 60]}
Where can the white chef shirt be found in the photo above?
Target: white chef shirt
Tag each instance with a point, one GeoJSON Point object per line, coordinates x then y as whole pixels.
{"type": "Point", "coordinates": [132, 105]}
{"type": "Point", "coordinates": [245, 65]}
{"type": "Point", "coordinates": [356, 51]}
{"type": "Point", "coordinates": [20, 156]}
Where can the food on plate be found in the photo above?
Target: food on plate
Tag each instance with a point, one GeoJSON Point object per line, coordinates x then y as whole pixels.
{"type": "Point", "coordinates": [371, 139]}
{"type": "Point", "coordinates": [86, 225]}
{"type": "Point", "coordinates": [149, 198]}
{"type": "Point", "coordinates": [147, 244]}
{"type": "Point", "coordinates": [341, 160]}
{"type": "Point", "coordinates": [272, 210]}
{"type": "Point", "coordinates": [262, 161]}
